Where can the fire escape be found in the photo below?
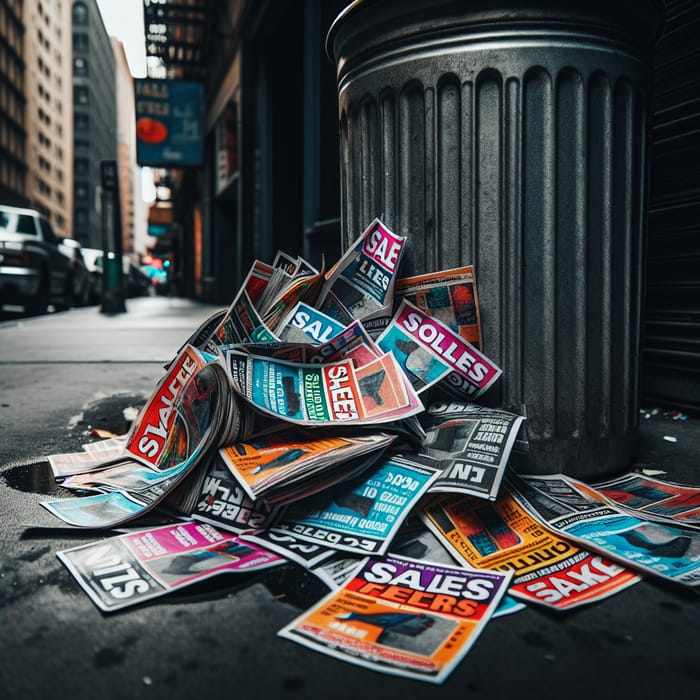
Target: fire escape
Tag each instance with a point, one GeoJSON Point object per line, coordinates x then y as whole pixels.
{"type": "Point", "coordinates": [176, 50]}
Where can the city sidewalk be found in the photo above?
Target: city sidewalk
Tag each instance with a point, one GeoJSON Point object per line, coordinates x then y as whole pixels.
{"type": "Point", "coordinates": [64, 374]}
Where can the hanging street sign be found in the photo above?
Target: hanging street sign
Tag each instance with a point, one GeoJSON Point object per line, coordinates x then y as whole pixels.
{"type": "Point", "coordinates": [169, 123]}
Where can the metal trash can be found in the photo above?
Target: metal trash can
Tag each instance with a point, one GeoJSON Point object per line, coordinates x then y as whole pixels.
{"type": "Point", "coordinates": [514, 136]}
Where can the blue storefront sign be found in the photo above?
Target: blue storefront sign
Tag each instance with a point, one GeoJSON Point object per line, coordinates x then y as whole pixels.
{"type": "Point", "coordinates": [169, 123]}
{"type": "Point", "coordinates": [158, 230]}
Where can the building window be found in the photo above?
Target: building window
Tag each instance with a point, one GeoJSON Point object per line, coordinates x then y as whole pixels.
{"type": "Point", "coordinates": [82, 192]}
{"type": "Point", "coordinates": [81, 43]}
{"type": "Point", "coordinates": [80, 67]}
{"type": "Point", "coordinates": [43, 187]}
{"type": "Point", "coordinates": [80, 13]}
{"type": "Point", "coordinates": [81, 166]}
{"type": "Point", "coordinates": [44, 117]}
{"type": "Point", "coordinates": [81, 217]}
{"type": "Point", "coordinates": [82, 122]}
{"type": "Point", "coordinates": [81, 95]}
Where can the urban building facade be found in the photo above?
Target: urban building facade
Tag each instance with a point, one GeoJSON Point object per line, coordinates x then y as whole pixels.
{"type": "Point", "coordinates": [13, 168]}
{"type": "Point", "coordinates": [126, 146]}
{"type": "Point", "coordinates": [94, 117]}
{"type": "Point", "coordinates": [49, 119]}
{"type": "Point", "coordinates": [269, 176]}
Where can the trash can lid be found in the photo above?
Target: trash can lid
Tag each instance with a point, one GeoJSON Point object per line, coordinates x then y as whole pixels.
{"type": "Point", "coordinates": [657, 8]}
{"type": "Point", "coordinates": [333, 30]}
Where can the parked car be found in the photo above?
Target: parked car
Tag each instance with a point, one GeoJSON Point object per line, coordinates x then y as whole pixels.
{"type": "Point", "coordinates": [93, 263]}
{"type": "Point", "coordinates": [33, 271]}
{"type": "Point", "coordinates": [80, 276]}
{"type": "Point", "coordinates": [134, 281]}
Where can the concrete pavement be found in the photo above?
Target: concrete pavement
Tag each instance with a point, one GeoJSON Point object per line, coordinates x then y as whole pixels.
{"type": "Point", "coordinates": [63, 374]}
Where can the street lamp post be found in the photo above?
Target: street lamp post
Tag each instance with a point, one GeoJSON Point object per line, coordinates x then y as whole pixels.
{"type": "Point", "coordinates": [112, 289]}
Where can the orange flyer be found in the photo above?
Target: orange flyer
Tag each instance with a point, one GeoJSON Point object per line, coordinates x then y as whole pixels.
{"type": "Point", "coordinates": [402, 616]}
{"type": "Point", "coordinates": [548, 569]}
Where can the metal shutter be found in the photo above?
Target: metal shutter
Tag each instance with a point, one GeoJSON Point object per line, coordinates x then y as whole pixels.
{"type": "Point", "coordinates": [671, 348]}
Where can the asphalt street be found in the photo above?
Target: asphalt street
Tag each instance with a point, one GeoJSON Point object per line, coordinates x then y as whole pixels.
{"type": "Point", "coordinates": [64, 374]}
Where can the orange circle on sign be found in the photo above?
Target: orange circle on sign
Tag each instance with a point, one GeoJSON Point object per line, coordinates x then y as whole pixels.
{"type": "Point", "coordinates": [151, 130]}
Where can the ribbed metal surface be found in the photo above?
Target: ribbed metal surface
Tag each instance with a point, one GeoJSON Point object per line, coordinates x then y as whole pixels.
{"type": "Point", "coordinates": [671, 369]}
{"type": "Point", "coordinates": [527, 157]}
